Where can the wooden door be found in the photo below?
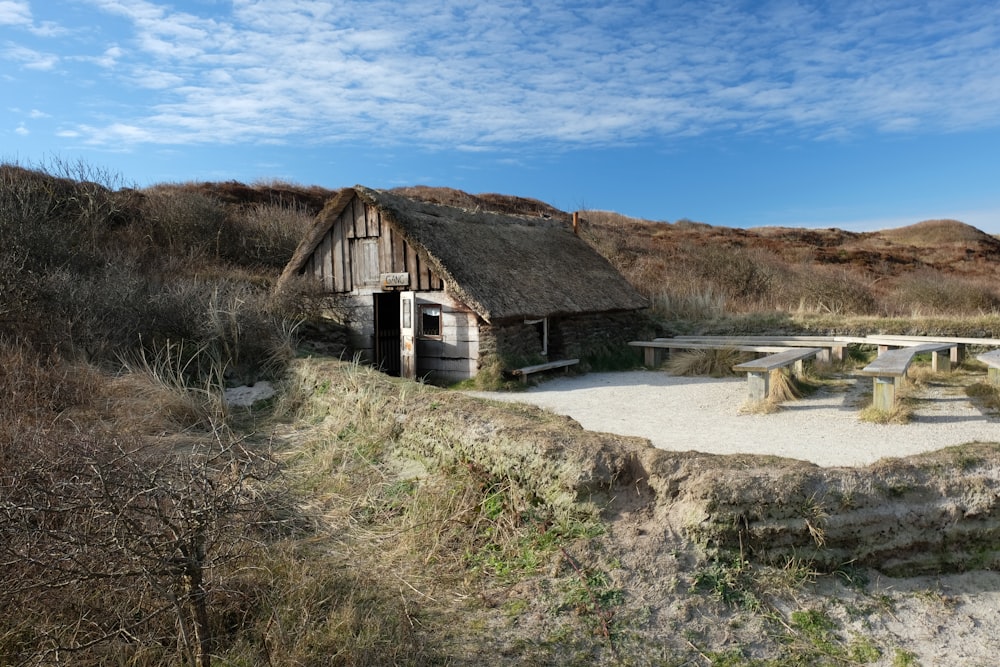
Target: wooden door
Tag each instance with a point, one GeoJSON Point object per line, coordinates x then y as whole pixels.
{"type": "Point", "coordinates": [407, 335]}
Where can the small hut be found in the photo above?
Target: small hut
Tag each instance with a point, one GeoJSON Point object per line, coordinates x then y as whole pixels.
{"type": "Point", "coordinates": [444, 293]}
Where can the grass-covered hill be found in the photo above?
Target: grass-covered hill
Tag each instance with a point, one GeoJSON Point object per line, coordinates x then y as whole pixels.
{"type": "Point", "coordinates": [356, 519]}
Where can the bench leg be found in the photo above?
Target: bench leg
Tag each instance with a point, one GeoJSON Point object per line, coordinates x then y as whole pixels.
{"type": "Point", "coordinates": [957, 353]}
{"type": "Point", "coordinates": [800, 367]}
{"type": "Point", "coordinates": [823, 357]}
{"type": "Point", "coordinates": [758, 385]}
{"type": "Point", "coordinates": [884, 393]}
{"type": "Point", "coordinates": [838, 353]}
{"type": "Point", "coordinates": [941, 363]}
{"type": "Point", "coordinates": [993, 376]}
{"type": "Point", "coordinates": [653, 357]}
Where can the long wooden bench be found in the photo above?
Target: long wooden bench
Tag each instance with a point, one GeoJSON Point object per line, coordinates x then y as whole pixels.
{"type": "Point", "coordinates": [956, 353]}
{"type": "Point", "coordinates": [759, 370]}
{"type": "Point", "coordinates": [653, 349]}
{"type": "Point", "coordinates": [889, 369]}
{"type": "Point", "coordinates": [833, 346]}
{"type": "Point", "coordinates": [992, 361]}
{"type": "Point", "coordinates": [523, 373]}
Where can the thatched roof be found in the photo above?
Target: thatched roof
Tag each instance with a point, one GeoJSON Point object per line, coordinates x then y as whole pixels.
{"type": "Point", "coordinates": [501, 266]}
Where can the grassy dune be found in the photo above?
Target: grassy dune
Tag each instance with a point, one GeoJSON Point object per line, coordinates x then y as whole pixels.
{"type": "Point", "coordinates": [359, 519]}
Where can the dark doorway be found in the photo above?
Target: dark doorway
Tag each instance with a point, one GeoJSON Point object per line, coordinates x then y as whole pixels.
{"type": "Point", "coordinates": [387, 332]}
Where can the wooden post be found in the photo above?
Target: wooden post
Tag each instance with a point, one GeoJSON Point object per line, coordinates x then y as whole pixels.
{"type": "Point", "coordinates": [884, 393]}
{"type": "Point", "coordinates": [941, 363]}
{"type": "Point", "coordinates": [758, 384]}
{"type": "Point", "coordinates": [576, 222]}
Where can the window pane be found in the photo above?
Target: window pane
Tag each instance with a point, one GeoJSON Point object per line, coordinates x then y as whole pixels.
{"type": "Point", "coordinates": [430, 320]}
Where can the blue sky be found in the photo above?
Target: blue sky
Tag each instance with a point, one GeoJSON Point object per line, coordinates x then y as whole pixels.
{"type": "Point", "coordinates": [861, 115]}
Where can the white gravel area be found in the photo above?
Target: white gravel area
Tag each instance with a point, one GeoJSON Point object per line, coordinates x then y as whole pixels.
{"type": "Point", "coordinates": [703, 414]}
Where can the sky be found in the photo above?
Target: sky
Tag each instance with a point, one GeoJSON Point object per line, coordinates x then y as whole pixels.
{"type": "Point", "coordinates": [861, 115]}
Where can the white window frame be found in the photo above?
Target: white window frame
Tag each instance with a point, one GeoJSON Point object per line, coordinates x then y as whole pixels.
{"type": "Point", "coordinates": [421, 307]}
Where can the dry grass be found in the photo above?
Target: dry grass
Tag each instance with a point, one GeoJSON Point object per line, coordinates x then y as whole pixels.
{"type": "Point", "coordinates": [986, 395]}
{"type": "Point", "coordinates": [713, 363]}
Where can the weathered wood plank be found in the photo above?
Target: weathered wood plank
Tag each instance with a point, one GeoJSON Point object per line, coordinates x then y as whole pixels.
{"type": "Point", "coordinates": [992, 361]}
{"type": "Point", "coordinates": [412, 265]}
{"type": "Point", "coordinates": [324, 263]}
{"type": "Point", "coordinates": [446, 349]}
{"type": "Point", "coordinates": [398, 253]}
{"type": "Point", "coordinates": [681, 345]}
{"type": "Point", "coordinates": [425, 364]}
{"type": "Point", "coordinates": [538, 368]}
{"type": "Point", "coordinates": [779, 360]}
{"type": "Point", "coordinates": [893, 363]}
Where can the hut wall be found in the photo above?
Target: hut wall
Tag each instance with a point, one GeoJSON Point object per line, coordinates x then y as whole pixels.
{"type": "Point", "coordinates": [361, 246]}
{"type": "Point", "coordinates": [355, 313]}
{"type": "Point", "coordinates": [591, 337]}
{"type": "Point", "coordinates": [597, 336]}
{"type": "Point", "coordinates": [508, 345]}
{"type": "Point", "coordinates": [453, 356]}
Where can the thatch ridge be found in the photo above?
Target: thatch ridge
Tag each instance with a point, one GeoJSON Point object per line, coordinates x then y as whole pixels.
{"type": "Point", "coordinates": [501, 266]}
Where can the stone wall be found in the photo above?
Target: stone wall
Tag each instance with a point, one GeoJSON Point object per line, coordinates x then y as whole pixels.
{"type": "Point", "coordinates": [590, 338]}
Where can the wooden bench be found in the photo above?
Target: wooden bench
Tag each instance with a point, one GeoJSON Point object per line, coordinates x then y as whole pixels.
{"type": "Point", "coordinates": [653, 349]}
{"type": "Point", "coordinates": [832, 346]}
{"type": "Point", "coordinates": [523, 373]}
{"type": "Point", "coordinates": [957, 352]}
{"type": "Point", "coordinates": [889, 369]}
{"type": "Point", "coordinates": [992, 361]}
{"type": "Point", "coordinates": [759, 370]}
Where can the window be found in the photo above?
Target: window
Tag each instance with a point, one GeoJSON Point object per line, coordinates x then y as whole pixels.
{"type": "Point", "coordinates": [430, 320]}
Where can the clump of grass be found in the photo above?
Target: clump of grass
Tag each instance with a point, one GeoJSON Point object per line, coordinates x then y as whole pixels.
{"type": "Point", "coordinates": [986, 395]}
{"type": "Point", "coordinates": [785, 386]}
{"type": "Point", "coordinates": [901, 413]}
{"type": "Point", "coordinates": [157, 389]}
{"type": "Point", "coordinates": [714, 363]}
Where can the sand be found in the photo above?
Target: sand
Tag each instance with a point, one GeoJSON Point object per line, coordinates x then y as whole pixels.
{"type": "Point", "coordinates": [704, 414]}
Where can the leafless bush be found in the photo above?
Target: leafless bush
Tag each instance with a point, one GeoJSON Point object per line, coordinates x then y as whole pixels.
{"type": "Point", "coordinates": [701, 306]}
{"type": "Point", "coordinates": [931, 291]}
{"type": "Point", "coordinates": [831, 290]}
{"type": "Point", "coordinates": [184, 222]}
{"type": "Point", "coordinates": [747, 277]}
{"type": "Point", "coordinates": [113, 550]}
{"type": "Point", "coordinates": [267, 235]}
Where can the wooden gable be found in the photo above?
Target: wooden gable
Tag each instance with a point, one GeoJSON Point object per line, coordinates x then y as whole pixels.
{"type": "Point", "coordinates": [360, 247]}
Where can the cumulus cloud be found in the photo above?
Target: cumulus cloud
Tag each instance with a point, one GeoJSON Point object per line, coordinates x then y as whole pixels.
{"type": "Point", "coordinates": [522, 72]}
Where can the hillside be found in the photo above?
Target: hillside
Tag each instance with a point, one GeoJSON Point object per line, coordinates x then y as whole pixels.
{"type": "Point", "coordinates": [357, 519]}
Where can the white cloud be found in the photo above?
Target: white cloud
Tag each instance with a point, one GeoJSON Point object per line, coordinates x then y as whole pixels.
{"type": "Point", "coordinates": [528, 72]}
{"type": "Point", "coordinates": [22, 130]}
{"type": "Point", "coordinates": [30, 58]}
{"type": "Point", "coordinates": [15, 12]}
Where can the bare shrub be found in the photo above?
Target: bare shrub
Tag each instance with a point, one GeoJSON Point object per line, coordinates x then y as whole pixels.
{"type": "Point", "coordinates": [184, 222]}
{"type": "Point", "coordinates": [746, 276]}
{"type": "Point", "coordinates": [690, 307]}
{"type": "Point", "coordinates": [267, 235]}
{"type": "Point", "coordinates": [831, 290]}
{"type": "Point", "coordinates": [116, 552]}
{"type": "Point", "coordinates": [931, 291]}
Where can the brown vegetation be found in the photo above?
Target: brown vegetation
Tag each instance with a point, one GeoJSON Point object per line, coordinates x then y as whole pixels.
{"type": "Point", "coordinates": [358, 519]}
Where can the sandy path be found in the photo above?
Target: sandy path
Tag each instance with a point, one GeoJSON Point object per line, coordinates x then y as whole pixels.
{"type": "Point", "coordinates": [702, 414]}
